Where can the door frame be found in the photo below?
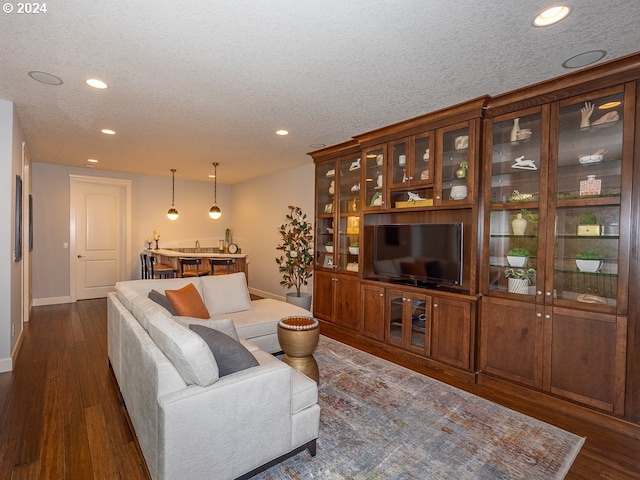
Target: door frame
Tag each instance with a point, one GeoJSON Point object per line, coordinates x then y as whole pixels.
{"type": "Point", "coordinates": [125, 238]}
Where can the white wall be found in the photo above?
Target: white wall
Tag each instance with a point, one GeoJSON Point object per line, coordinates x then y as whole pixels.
{"type": "Point", "coordinates": [11, 139]}
{"type": "Point", "coordinates": [150, 200]}
{"type": "Point", "coordinates": [259, 207]}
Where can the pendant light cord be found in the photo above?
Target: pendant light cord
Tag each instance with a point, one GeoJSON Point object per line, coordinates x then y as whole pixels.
{"type": "Point", "coordinates": [173, 187]}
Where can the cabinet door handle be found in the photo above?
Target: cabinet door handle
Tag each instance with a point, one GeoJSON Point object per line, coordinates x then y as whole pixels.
{"type": "Point", "coordinates": [539, 315]}
{"type": "Point", "coordinates": [437, 197]}
{"type": "Point", "coordinates": [382, 294]}
{"type": "Point", "coordinates": [547, 316]}
{"type": "Point", "coordinates": [410, 178]}
{"type": "Point", "coordinates": [435, 305]}
{"type": "Point", "coordinates": [548, 294]}
{"type": "Point", "coordinates": [538, 292]}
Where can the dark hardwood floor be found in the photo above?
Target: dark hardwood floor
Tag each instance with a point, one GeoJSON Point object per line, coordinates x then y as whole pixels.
{"type": "Point", "coordinates": [60, 415]}
{"type": "Point", "coordinates": [60, 411]}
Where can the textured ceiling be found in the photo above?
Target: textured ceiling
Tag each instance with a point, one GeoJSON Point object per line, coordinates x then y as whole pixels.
{"type": "Point", "coordinates": [210, 81]}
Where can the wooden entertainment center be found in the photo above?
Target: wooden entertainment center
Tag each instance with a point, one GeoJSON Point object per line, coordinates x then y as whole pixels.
{"type": "Point", "coordinates": [558, 155]}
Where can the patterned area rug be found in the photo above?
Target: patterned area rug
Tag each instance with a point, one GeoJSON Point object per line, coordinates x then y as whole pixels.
{"type": "Point", "coordinates": [383, 421]}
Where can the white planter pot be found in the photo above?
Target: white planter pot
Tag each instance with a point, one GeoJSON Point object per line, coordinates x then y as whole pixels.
{"type": "Point", "coordinates": [518, 285]}
{"type": "Point", "coordinates": [517, 261]}
{"type": "Point", "coordinates": [589, 266]}
{"type": "Point", "coordinates": [354, 250]}
{"type": "Point", "coordinates": [304, 300]}
{"type": "Point", "coordinates": [329, 248]}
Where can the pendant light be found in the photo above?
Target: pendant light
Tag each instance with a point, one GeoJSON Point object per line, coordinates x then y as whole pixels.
{"type": "Point", "coordinates": [172, 214]}
{"type": "Point", "coordinates": [214, 212]}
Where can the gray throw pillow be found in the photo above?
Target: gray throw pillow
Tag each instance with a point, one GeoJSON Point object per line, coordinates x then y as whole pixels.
{"type": "Point", "coordinates": [230, 355]}
{"type": "Point", "coordinates": [163, 301]}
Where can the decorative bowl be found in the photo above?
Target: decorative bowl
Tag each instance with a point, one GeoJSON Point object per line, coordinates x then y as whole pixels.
{"type": "Point", "coordinates": [329, 248]}
{"type": "Point", "coordinates": [354, 250]}
{"type": "Point", "coordinates": [523, 134]}
{"type": "Point", "coordinates": [587, 159]}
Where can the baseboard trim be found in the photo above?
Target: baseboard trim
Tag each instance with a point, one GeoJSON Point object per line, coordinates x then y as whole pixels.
{"type": "Point", "coordinates": [263, 294]}
{"type": "Point", "coordinates": [38, 302]}
{"type": "Point", "coordinates": [6, 365]}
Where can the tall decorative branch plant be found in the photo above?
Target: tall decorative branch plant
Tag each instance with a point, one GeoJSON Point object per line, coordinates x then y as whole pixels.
{"type": "Point", "coordinates": [296, 262]}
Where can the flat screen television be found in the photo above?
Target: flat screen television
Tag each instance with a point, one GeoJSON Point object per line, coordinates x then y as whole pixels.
{"type": "Point", "coordinates": [428, 254]}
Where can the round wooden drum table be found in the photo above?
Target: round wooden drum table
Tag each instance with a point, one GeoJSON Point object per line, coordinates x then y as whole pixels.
{"type": "Point", "coordinates": [298, 337]}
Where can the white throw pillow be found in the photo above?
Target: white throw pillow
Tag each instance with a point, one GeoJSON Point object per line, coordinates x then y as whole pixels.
{"type": "Point", "coordinates": [186, 350]}
{"type": "Point", "coordinates": [224, 294]}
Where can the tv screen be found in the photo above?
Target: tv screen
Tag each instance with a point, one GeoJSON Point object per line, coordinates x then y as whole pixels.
{"type": "Point", "coordinates": [429, 253]}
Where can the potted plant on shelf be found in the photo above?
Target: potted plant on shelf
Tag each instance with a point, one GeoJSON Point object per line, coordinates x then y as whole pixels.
{"type": "Point", "coordinates": [520, 279]}
{"type": "Point", "coordinates": [296, 262]}
{"type": "Point", "coordinates": [589, 261]}
{"type": "Point", "coordinates": [588, 225]}
{"type": "Point", "coordinates": [329, 246]}
{"type": "Point", "coordinates": [354, 249]}
{"type": "Point", "coordinates": [518, 257]}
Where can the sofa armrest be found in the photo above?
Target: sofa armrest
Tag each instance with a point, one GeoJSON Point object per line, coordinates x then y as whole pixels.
{"type": "Point", "coordinates": [231, 427]}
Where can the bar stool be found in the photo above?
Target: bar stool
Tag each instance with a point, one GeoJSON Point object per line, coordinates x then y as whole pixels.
{"type": "Point", "coordinates": [191, 262]}
{"type": "Point", "coordinates": [221, 262]}
{"type": "Point", "coordinates": [144, 266]}
{"type": "Point", "coordinates": [162, 270]}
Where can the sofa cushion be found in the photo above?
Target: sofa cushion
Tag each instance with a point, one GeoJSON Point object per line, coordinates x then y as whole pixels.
{"type": "Point", "coordinates": [230, 356]}
{"type": "Point", "coordinates": [186, 350]}
{"type": "Point", "coordinates": [163, 301]}
{"type": "Point", "coordinates": [304, 391]}
{"type": "Point", "coordinates": [143, 287]}
{"type": "Point", "coordinates": [224, 325]}
{"type": "Point", "coordinates": [226, 293]}
{"type": "Point", "coordinates": [264, 316]}
{"type": "Point", "coordinates": [188, 302]}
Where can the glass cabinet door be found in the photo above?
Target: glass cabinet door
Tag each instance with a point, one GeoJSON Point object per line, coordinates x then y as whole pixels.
{"type": "Point", "coordinates": [347, 241]}
{"type": "Point", "coordinates": [325, 209]}
{"type": "Point", "coordinates": [518, 163]}
{"type": "Point", "coordinates": [375, 163]}
{"type": "Point", "coordinates": [455, 161]}
{"type": "Point", "coordinates": [422, 171]}
{"type": "Point", "coordinates": [409, 320]}
{"type": "Point", "coordinates": [399, 170]}
{"type": "Point", "coordinates": [589, 183]}
{"type": "Point", "coordinates": [395, 315]}
{"type": "Point", "coordinates": [419, 322]}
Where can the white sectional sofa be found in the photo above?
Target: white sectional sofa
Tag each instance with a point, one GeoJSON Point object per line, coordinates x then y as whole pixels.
{"type": "Point", "coordinates": [190, 422]}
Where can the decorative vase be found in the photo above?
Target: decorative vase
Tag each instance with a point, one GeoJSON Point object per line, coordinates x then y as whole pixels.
{"type": "Point", "coordinates": [514, 129]}
{"type": "Point", "coordinates": [518, 285]}
{"type": "Point", "coordinates": [304, 300]}
{"type": "Point", "coordinates": [519, 224]}
{"type": "Point", "coordinates": [298, 335]}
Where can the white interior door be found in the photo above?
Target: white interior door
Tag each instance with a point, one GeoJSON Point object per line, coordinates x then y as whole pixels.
{"type": "Point", "coordinates": [99, 224]}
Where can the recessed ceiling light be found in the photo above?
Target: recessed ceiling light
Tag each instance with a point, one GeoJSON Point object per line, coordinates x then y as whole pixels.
{"type": "Point", "coordinates": [44, 77]}
{"type": "Point", "coordinates": [212, 176]}
{"type": "Point", "coordinates": [607, 105]}
{"type": "Point", "coordinates": [88, 165]}
{"type": "Point", "coordinates": [585, 58]}
{"type": "Point", "coordinates": [317, 145]}
{"type": "Point", "coordinates": [282, 132]}
{"type": "Point", "coordinates": [95, 83]}
{"type": "Point", "coordinates": [108, 131]}
{"type": "Point", "coordinates": [92, 160]}
{"type": "Point", "coordinates": [551, 15]}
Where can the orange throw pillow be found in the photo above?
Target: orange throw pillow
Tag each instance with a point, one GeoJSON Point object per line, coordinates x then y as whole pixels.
{"type": "Point", "coordinates": [188, 302]}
